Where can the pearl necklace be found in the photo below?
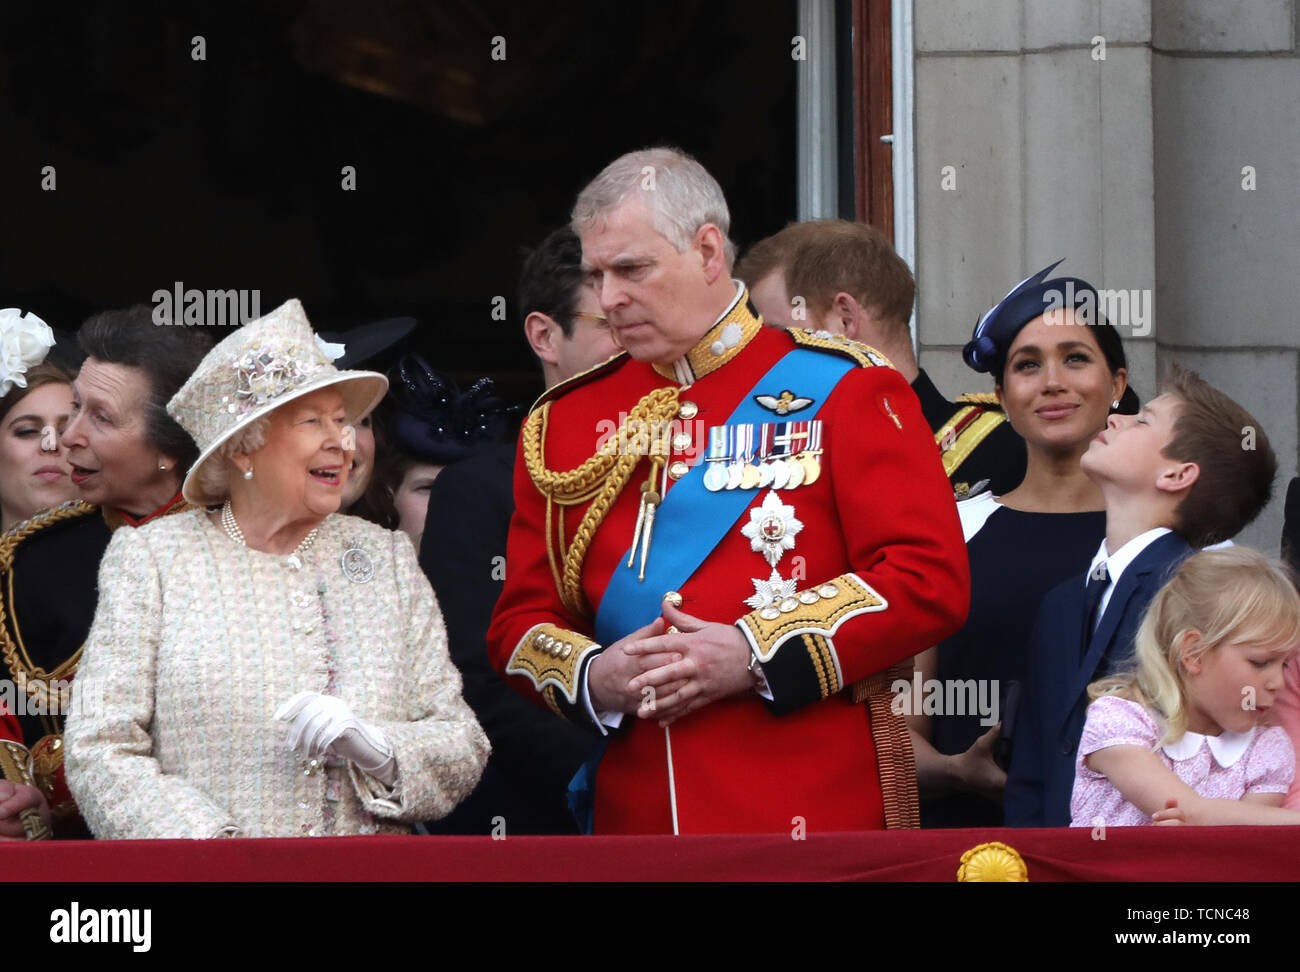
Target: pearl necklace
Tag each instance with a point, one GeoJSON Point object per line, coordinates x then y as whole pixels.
{"type": "Point", "coordinates": [229, 524]}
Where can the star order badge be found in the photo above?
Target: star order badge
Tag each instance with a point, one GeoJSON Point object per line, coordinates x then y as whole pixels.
{"type": "Point", "coordinates": [772, 528]}
{"type": "Point", "coordinates": [773, 596]}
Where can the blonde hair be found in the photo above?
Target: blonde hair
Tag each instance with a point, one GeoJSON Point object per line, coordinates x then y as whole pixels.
{"type": "Point", "coordinates": [1232, 594]}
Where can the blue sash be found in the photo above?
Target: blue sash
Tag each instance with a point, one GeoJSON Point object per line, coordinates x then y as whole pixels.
{"type": "Point", "coordinates": [691, 521]}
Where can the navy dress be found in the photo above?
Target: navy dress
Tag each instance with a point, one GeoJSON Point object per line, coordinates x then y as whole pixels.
{"type": "Point", "coordinates": [1015, 559]}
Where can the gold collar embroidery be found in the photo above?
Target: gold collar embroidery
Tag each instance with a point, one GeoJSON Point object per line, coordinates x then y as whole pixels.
{"type": "Point", "coordinates": [726, 339]}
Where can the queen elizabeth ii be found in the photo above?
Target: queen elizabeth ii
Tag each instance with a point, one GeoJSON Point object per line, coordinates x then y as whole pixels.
{"type": "Point", "coordinates": [270, 668]}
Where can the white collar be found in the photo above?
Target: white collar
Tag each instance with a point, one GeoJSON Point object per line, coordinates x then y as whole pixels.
{"type": "Point", "coordinates": [1226, 747]}
{"type": "Point", "coordinates": [1118, 562]}
{"type": "Point", "coordinates": [974, 512]}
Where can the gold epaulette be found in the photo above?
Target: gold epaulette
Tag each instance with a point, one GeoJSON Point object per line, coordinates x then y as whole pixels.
{"type": "Point", "coordinates": [16, 534]}
{"type": "Point", "coordinates": [864, 354]}
{"type": "Point", "coordinates": [581, 378]}
{"type": "Point", "coordinates": [988, 399]}
{"type": "Point", "coordinates": [963, 432]}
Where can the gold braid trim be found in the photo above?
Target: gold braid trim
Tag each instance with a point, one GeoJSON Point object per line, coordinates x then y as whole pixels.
{"type": "Point", "coordinates": [15, 766]}
{"type": "Point", "coordinates": [599, 480]}
{"type": "Point", "coordinates": [35, 681]}
{"type": "Point", "coordinates": [895, 759]}
{"type": "Point", "coordinates": [551, 657]}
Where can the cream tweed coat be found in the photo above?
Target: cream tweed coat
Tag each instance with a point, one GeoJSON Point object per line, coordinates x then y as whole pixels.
{"type": "Point", "coordinates": [197, 641]}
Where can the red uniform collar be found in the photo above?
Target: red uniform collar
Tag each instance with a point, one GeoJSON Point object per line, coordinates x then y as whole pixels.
{"type": "Point", "coordinates": [117, 518]}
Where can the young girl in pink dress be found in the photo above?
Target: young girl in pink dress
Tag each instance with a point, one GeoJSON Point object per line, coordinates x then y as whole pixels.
{"type": "Point", "coordinates": [1181, 739]}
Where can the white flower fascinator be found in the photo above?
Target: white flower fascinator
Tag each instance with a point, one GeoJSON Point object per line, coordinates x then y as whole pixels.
{"type": "Point", "coordinates": [25, 339]}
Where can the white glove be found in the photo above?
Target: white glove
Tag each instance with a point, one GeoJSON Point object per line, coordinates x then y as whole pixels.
{"type": "Point", "coordinates": [320, 724]}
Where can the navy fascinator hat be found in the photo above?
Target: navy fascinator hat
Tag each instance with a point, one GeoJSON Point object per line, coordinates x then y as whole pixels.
{"type": "Point", "coordinates": [435, 422]}
{"type": "Point", "coordinates": [1033, 296]}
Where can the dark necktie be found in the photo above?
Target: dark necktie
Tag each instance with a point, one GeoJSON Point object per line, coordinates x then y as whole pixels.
{"type": "Point", "coordinates": [1098, 581]}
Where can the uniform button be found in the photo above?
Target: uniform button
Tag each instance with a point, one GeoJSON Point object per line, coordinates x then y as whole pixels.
{"type": "Point", "coordinates": [673, 598]}
{"type": "Point", "coordinates": [678, 469]}
{"type": "Point", "coordinates": [687, 410]}
{"type": "Point", "coordinates": [682, 441]}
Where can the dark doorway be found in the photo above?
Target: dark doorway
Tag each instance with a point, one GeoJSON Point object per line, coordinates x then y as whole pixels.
{"type": "Point", "coordinates": [227, 172]}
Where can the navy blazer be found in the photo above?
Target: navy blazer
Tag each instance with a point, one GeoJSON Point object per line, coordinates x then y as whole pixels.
{"type": "Point", "coordinates": [1050, 722]}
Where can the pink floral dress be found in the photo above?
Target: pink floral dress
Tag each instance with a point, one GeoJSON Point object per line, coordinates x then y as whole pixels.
{"type": "Point", "coordinates": [1224, 767]}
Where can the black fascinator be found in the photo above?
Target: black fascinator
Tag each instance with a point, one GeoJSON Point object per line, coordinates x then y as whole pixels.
{"type": "Point", "coordinates": [435, 422]}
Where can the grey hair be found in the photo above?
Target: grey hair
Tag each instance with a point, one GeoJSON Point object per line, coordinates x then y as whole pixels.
{"type": "Point", "coordinates": [214, 476]}
{"type": "Point", "coordinates": [678, 191]}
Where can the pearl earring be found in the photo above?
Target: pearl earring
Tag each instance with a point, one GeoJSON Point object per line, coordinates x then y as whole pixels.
{"type": "Point", "coordinates": [1115, 404]}
{"type": "Point", "coordinates": [248, 473]}
{"type": "Point", "coordinates": [162, 467]}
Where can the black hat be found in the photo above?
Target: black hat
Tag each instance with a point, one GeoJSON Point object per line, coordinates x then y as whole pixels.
{"type": "Point", "coordinates": [367, 341]}
{"type": "Point", "coordinates": [1030, 298]}
{"type": "Point", "coordinates": [436, 422]}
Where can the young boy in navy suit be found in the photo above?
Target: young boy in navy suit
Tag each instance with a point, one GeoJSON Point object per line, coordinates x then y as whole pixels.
{"type": "Point", "coordinates": [1190, 470]}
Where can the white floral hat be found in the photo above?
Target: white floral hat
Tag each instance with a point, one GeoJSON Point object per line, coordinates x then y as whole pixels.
{"type": "Point", "coordinates": [25, 339]}
{"type": "Point", "coordinates": [263, 365]}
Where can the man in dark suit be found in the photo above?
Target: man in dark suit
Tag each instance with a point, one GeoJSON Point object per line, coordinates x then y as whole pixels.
{"type": "Point", "coordinates": [463, 551]}
{"type": "Point", "coordinates": [844, 277]}
{"type": "Point", "coordinates": [1175, 477]}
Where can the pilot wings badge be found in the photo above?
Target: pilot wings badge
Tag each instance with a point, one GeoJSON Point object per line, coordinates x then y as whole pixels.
{"type": "Point", "coordinates": [783, 404]}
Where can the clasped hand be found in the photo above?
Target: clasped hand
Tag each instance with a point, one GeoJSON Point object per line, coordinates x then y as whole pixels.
{"type": "Point", "coordinates": [320, 724]}
{"type": "Point", "coordinates": [14, 799]}
{"type": "Point", "coordinates": [663, 675]}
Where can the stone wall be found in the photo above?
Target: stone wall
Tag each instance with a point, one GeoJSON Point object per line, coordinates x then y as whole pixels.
{"type": "Point", "coordinates": [1116, 134]}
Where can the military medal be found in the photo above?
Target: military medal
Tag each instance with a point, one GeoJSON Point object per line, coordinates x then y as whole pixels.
{"type": "Point", "coordinates": [796, 473]}
{"type": "Point", "coordinates": [812, 469]}
{"type": "Point", "coordinates": [780, 473]}
{"type": "Point", "coordinates": [715, 477]}
{"type": "Point", "coordinates": [771, 528]}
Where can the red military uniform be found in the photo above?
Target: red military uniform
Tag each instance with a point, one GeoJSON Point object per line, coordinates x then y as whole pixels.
{"type": "Point", "coordinates": [879, 538]}
{"type": "Point", "coordinates": [9, 728]}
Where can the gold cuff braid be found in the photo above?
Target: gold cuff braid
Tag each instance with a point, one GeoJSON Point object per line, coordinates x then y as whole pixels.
{"type": "Point", "coordinates": [818, 613]}
{"type": "Point", "coordinates": [551, 658]}
{"type": "Point", "coordinates": [16, 767]}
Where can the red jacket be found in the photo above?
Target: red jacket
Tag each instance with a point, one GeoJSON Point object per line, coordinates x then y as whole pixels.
{"type": "Point", "coordinates": [882, 509]}
{"type": "Point", "coordinates": [9, 728]}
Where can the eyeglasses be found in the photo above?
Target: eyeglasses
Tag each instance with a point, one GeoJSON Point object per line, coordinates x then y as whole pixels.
{"type": "Point", "coordinates": [600, 319]}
